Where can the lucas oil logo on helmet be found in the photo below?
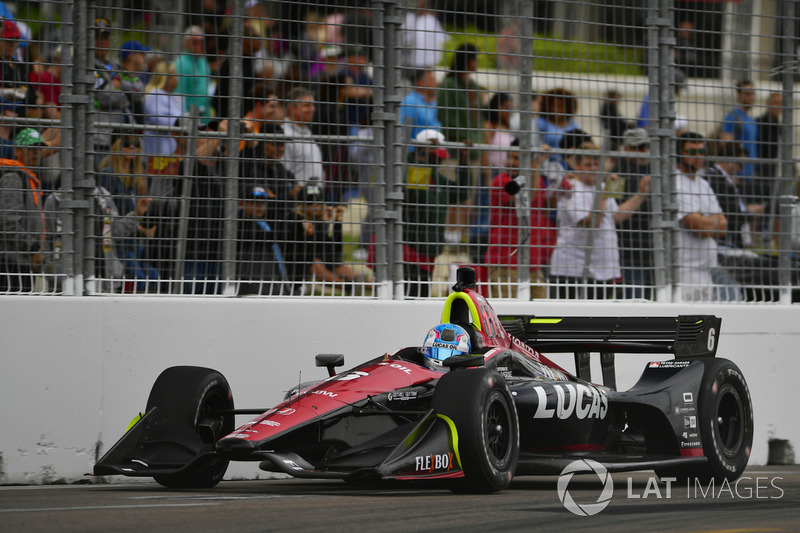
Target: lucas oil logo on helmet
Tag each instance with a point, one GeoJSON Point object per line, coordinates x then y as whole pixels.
{"type": "Point", "coordinates": [564, 400]}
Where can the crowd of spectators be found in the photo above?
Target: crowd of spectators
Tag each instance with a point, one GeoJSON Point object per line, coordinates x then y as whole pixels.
{"type": "Point", "coordinates": [306, 96]}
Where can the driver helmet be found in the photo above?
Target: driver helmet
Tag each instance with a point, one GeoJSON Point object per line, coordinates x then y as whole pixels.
{"type": "Point", "coordinates": [443, 341]}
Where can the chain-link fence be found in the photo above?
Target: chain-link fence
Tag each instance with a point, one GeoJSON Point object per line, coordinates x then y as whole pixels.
{"type": "Point", "coordinates": [363, 149]}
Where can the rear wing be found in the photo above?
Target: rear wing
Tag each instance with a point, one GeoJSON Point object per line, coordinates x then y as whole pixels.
{"type": "Point", "coordinates": [683, 336]}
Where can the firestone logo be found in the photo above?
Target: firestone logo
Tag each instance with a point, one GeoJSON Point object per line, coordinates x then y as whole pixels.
{"type": "Point", "coordinates": [584, 466]}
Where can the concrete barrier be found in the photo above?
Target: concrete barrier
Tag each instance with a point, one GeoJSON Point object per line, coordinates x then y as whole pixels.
{"type": "Point", "coordinates": [76, 370]}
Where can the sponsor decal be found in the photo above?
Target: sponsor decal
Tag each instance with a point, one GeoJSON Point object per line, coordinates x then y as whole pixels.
{"type": "Point", "coordinates": [400, 367]}
{"type": "Point", "coordinates": [579, 400]}
{"type": "Point", "coordinates": [271, 423]}
{"type": "Point", "coordinates": [291, 464]}
{"type": "Point", "coordinates": [401, 396]}
{"type": "Point", "coordinates": [585, 466]}
{"type": "Point", "coordinates": [524, 348]}
{"type": "Point", "coordinates": [352, 375]}
{"type": "Point", "coordinates": [325, 393]}
{"type": "Point", "coordinates": [689, 422]}
{"type": "Point", "coordinates": [286, 411]}
{"type": "Point", "coordinates": [433, 462]}
{"type": "Point", "coordinates": [668, 364]}
{"type": "Point", "coordinates": [691, 444]}
{"type": "Point", "coordinates": [687, 397]}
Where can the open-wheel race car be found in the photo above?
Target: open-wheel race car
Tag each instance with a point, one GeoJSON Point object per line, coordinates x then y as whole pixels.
{"type": "Point", "coordinates": [477, 404]}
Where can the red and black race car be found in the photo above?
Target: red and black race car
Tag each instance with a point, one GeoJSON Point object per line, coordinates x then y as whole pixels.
{"type": "Point", "coordinates": [503, 410]}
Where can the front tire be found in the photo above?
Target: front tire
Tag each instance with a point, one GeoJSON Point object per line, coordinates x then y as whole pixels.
{"type": "Point", "coordinates": [188, 394]}
{"type": "Point", "coordinates": [480, 405]}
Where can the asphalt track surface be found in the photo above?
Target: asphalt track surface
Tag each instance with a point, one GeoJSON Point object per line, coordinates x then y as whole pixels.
{"type": "Point", "coordinates": [765, 499]}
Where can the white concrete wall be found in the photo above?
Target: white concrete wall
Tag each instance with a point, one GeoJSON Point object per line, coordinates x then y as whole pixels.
{"type": "Point", "coordinates": [76, 370]}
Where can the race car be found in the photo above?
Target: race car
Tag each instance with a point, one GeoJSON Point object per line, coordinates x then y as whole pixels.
{"type": "Point", "coordinates": [474, 406]}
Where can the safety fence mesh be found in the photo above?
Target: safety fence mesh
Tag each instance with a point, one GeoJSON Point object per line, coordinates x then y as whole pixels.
{"type": "Point", "coordinates": [358, 149]}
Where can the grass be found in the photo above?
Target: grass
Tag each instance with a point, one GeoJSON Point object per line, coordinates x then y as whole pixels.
{"type": "Point", "coordinates": [551, 55]}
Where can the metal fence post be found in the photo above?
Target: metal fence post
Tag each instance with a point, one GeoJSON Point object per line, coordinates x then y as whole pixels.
{"type": "Point", "coordinates": [388, 195]}
{"type": "Point", "coordinates": [659, 49]}
{"type": "Point", "coordinates": [231, 171]}
{"type": "Point", "coordinates": [525, 159]}
{"type": "Point", "coordinates": [785, 248]}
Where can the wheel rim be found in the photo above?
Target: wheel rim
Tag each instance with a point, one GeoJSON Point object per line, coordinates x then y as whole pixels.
{"type": "Point", "coordinates": [215, 401]}
{"type": "Point", "coordinates": [730, 418]}
{"type": "Point", "coordinates": [498, 430]}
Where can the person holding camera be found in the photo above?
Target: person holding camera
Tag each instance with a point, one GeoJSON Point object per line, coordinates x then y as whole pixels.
{"type": "Point", "coordinates": [503, 251]}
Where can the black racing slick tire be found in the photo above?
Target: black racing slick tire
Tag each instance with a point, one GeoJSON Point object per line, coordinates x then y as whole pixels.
{"type": "Point", "coordinates": [725, 416]}
{"type": "Point", "coordinates": [481, 406]}
{"type": "Point", "coordinates": [189, 393]}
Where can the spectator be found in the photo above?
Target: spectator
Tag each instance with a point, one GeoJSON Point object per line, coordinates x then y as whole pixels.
{"type": "Point", "coordinates": [358, 91]}
{"type": "Point", "coordinates": [303, 157]}
{"type": "Point", "coordinates": [557, 116]}
{"type": "Point", "coordinates": [259, 262]}
{"type": "Point", "coordinates": [578, 219]}
{"type": "Point", "coordinates": [133, 65]}
{"type": "Point", "coordinates": [311, 253]}
{"type": "Point", "coordinates": [122, 173]}
{"type": "Point", "coordinates": [263, 106]}
{"type": "Point", "coordinates": [47, 81]}
{"type": "Point", "coordinates": [727, 160]}
{"type": "Point", "coordinates": [427, 195]}
{"type": "Point", "coordinates": [739, 126]}
{"type": "Point", "coordinates": [250, 45]}
{"type": "Point", "coordinates": [21, 221]}
{"type": "Point", "coordinates": [679, 83]}
{"type": "Point", "coordinates": [14, 86]}
{"type": "Point", "coordinates": [686, 54]}
{"type": "Point", "coordinates": [501, 255]}
{"type": "Point", "coordinates": [769, 135]}
{"type": "Point", "coordinates": [497, 126]}
{"type": "Point", "coordinates": [263, 167]}
{"type": "Point", "coordinates": [162, 107]}
{"type": "Point", "coordinates": [459, 98]}
{"type": "Point", "coordinates": [635, 235]}
{"type": "Point", "coordinates": [701, 221]}
{"type": "Point", "coordinates": [109, 232]}
{"type": "Point", "coordinates": [8, 109]}
{"type": "Point", "coordinates": [194, 73]}
{"type": "Point", "coordinates": [331, 119]}
{"type": "Point", "coordinates": [611, 119]}
{"type": "Point", "coordinates": [423, 38]}
{"type": "Point", "coordinates": [418, 110]}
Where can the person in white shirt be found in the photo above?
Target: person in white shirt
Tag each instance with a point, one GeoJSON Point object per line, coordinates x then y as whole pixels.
{"type": "Point", "coordinates": [302, 156]}
{"type": "Point", "coordinates": [587, 235]}
{"type": "Point", "coordinates": [701, 221]}
{"type": "Point", "coordinates": [423, 37]}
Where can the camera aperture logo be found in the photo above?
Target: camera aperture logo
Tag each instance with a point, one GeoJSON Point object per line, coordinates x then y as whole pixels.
{"type": "Point", "coordinates": [585, 466]}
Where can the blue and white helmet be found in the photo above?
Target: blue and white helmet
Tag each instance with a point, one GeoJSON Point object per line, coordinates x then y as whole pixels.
{"type": "Point", "coordinates": [443, 341]}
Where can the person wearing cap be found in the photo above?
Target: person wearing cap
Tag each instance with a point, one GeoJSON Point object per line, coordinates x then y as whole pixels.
{"type": "Point", "coordinates": [428, 194]}
{"type": "Point", "coordinates": [14, 85]}
{"type": "Point", "coordinates": [635, 234]}
{"type": "Point", "coordinates": [21, 216]}
{"type": "Point", "coordinates": [194, 73]}
{"type": "Point", "coordinates": [259, 259]}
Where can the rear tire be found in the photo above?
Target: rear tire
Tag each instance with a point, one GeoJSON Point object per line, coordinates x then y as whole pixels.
{"type": "Point", "coordinates": [480, 405]}
{"type": "Point", "coordinates": [725, 416]}
{"type": "Point", "coordinates": [188, 393]}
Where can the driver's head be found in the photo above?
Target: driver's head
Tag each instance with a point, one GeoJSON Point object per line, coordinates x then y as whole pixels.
{"type": "Point", "coordinates": [443, 341]}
